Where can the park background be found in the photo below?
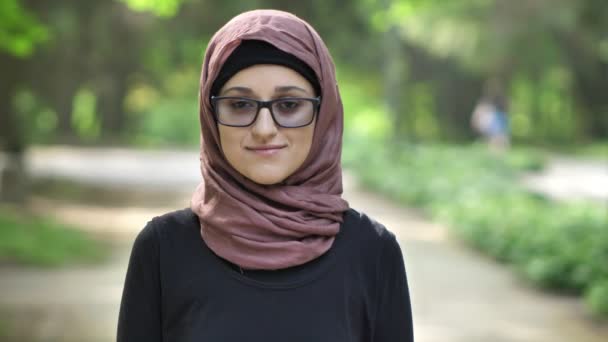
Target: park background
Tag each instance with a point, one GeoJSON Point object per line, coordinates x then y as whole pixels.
{"type": "Point", "coordinates": [124, 74]}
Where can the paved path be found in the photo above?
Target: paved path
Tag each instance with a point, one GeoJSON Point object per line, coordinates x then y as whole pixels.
{"type": "Point", "coordinates": [571, 179]}
{"type": "Point", "coordinates": [458, 296]}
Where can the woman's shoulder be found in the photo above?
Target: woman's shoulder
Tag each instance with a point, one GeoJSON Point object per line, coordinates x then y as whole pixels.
{"type": "Point", "coordinates": [366, 231]}
{"type": "Point", "coordinates": [367, 226]}
{"type": "Point", "coordinates": [360, 232]}
{"type": "Point", "coordinates": [179, 218]}
{"type": "Point", "coordinates": [170, 225]}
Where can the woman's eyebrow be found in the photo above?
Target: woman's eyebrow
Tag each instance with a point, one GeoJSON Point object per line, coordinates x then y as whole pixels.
{"type": "Point", "coordinates": [240, 89]}
{"type": "Point", "coordinates": [288, 88]}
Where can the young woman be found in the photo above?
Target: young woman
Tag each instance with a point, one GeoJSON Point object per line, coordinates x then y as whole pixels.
{"type": "Point", "coordinates": [268, 250]}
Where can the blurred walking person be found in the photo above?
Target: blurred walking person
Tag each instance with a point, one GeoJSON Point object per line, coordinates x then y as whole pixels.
{"type": "Point", "coordinates": [490, 117]}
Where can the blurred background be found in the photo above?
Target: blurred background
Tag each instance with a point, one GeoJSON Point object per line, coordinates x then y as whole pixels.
{"type": "Point", "coordinates": [477, 130]}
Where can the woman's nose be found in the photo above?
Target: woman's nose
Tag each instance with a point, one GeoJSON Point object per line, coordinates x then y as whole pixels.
{"type": "Point", "coordinates": [264, 126]}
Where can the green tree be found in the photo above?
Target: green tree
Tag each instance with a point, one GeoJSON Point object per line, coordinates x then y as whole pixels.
{"type": "Point", "coordinates": [549, 54]}
{"type": "Point", "coordinates": [20, 32]}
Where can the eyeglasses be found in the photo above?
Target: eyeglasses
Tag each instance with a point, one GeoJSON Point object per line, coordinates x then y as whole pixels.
{"type": "Point", "coordinates": [288, 112]}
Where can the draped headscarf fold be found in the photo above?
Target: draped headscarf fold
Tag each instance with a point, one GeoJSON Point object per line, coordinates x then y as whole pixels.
{"type": "Point", "coordinates": [282, 225]}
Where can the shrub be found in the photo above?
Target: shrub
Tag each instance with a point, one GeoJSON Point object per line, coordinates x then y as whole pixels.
{"type": "Point", "coordinates": [556, 245]}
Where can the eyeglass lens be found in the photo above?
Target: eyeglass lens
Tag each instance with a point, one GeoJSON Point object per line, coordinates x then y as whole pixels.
{"type": "Point", "coordinates": [286, 112]}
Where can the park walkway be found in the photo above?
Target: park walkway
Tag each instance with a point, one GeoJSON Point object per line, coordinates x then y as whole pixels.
{"type": "Point", "coordinates": [458, 295]}
{"type": "Point", "coordinates": [568, 179]}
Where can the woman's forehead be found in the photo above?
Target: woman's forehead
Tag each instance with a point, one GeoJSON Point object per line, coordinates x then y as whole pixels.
{"type": "Point", "coordinates": [267, 78]}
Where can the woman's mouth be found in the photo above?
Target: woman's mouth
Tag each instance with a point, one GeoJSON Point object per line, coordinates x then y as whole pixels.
{"type": "Point", "coordinates": [266, 150]}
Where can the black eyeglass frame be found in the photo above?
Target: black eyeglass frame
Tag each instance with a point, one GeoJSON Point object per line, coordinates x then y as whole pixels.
{"type": "Point", "coordinates": [266, 104]}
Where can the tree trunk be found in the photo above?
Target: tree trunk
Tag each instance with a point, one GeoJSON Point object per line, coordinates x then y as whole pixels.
{"type": "Point", "coordinates": [13, 177]}
{"type": "Point", "coordinates": [14, 180]}
{"type": "Point", "coordinates": [395, 75]}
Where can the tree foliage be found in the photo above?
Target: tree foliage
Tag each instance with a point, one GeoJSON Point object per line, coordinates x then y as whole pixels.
{"type": "Point", "coordinates": [163, 8]}
{"type": "Point", "coordinates": [20, 31]}
{"type": "Point", "coordinates": [427, 60]}
{"type": "Point", "coordinates": [549, 55]}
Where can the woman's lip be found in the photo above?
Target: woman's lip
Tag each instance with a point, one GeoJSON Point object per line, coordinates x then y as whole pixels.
{"type": "Point", "coordinates": [266, 150]}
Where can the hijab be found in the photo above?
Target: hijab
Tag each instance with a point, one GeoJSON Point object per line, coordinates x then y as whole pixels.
{"type": "Point", "coordinates": [269, 227]}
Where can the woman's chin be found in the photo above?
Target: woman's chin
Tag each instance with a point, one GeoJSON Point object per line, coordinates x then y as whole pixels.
{"type": "Point", "coordinates": [267, 181]}
{"type": "Point", "coordinates": [266, 178]}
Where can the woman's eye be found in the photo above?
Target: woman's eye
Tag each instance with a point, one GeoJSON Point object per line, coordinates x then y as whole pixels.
{"type": "Point", "coordinates": [289, 105]}
{"type": "Point", "coordinates": [241, 104]}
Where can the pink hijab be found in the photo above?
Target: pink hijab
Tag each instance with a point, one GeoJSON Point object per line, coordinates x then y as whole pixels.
{"type": "Point", "coordinates": [283, 225]}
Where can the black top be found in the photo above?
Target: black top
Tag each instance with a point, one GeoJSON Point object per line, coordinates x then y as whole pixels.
{"type": "Point", "coordinates": [177, 289]}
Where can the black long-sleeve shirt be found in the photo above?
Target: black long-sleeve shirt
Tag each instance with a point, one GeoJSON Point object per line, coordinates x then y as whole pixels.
{"type": "Point", "coordinates": [177, 289]}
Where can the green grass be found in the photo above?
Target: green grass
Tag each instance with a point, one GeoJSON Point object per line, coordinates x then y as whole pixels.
{"type": "Point", "coordinates": [561, 246]}
{"type": "Point", "coordinates": [3, 329]}
{"type": "Point", "coordinates": [31, 240]}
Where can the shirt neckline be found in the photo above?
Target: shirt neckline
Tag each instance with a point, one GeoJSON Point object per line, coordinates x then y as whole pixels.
{"type": "Point", "coordinates": [291, 277]}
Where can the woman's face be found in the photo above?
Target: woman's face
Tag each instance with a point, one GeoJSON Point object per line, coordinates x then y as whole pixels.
{"type": "Point", "coordinates": [264, 152]}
